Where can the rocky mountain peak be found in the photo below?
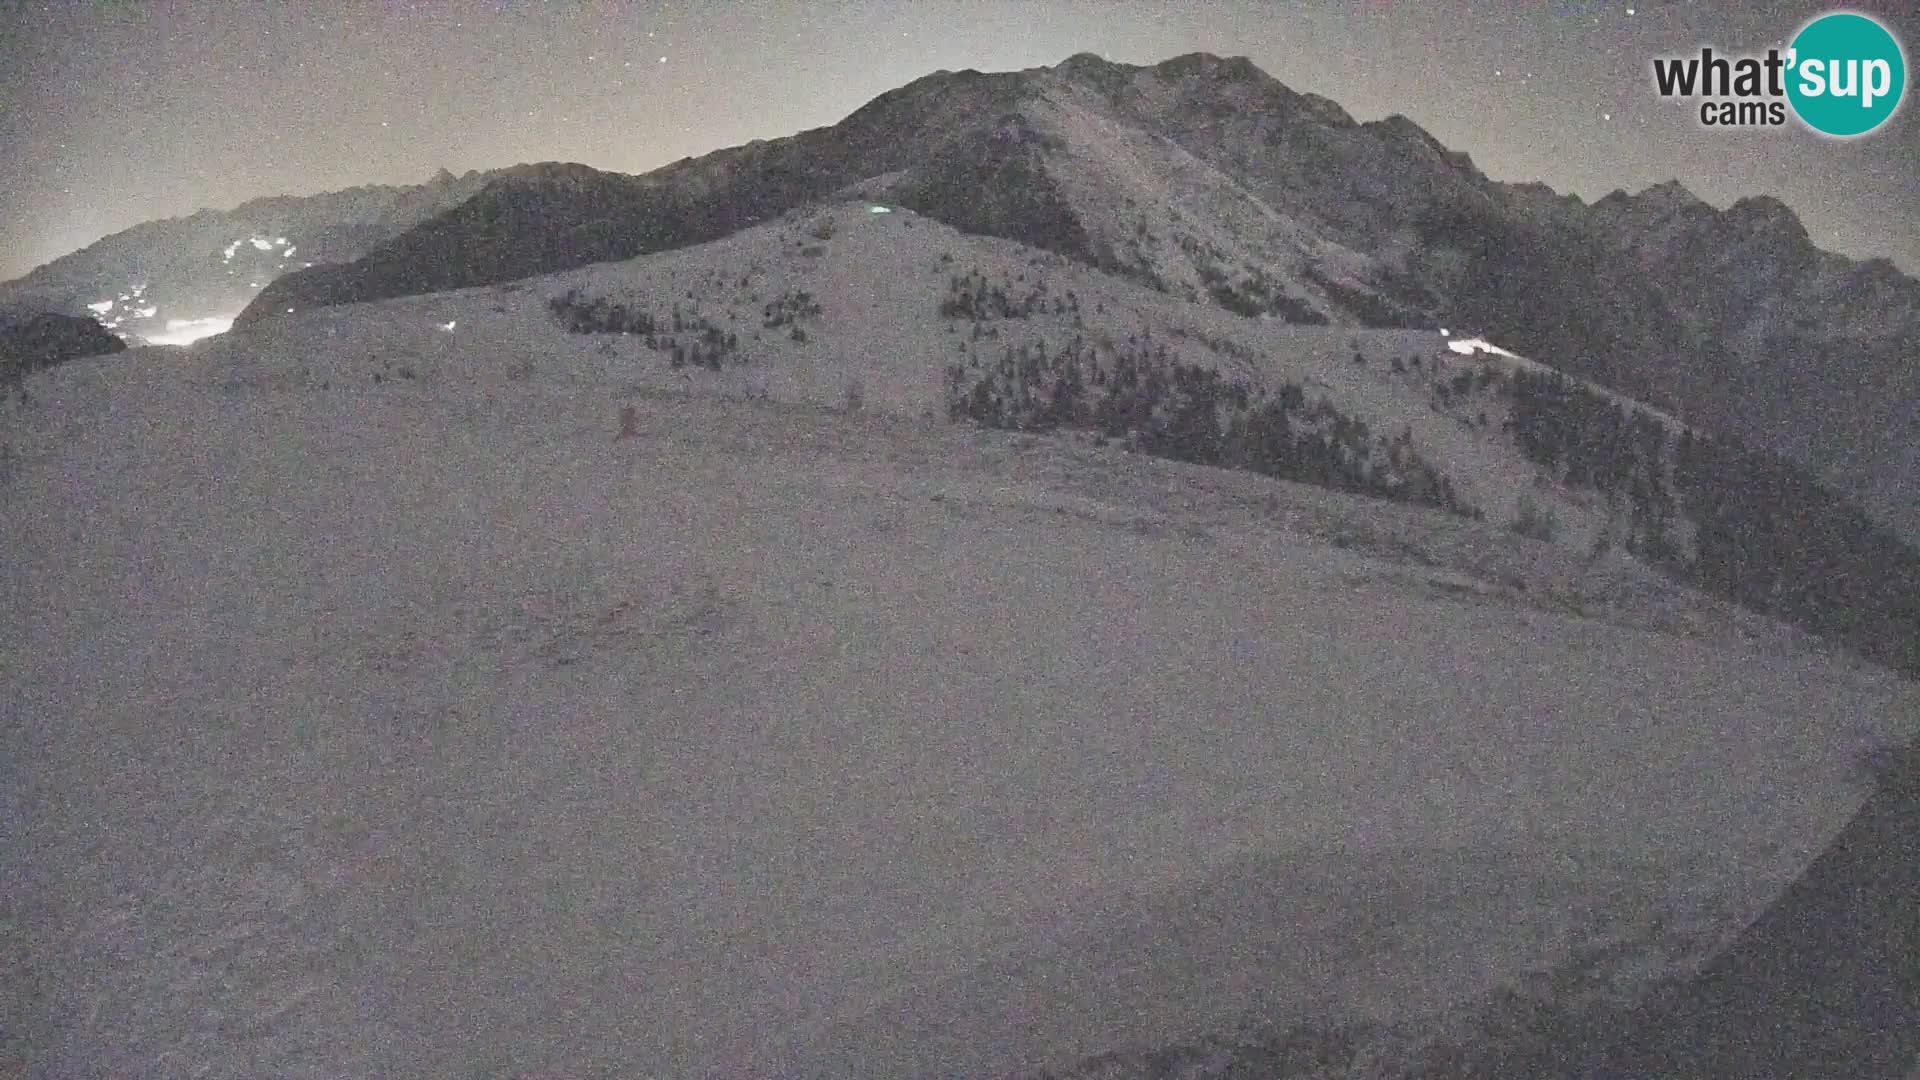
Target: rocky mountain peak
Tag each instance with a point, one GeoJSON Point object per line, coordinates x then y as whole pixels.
{"type": "Point", "coordinates": [1658, 202]}
{"type": "Point", "coordinates": [1206, 178]}
{"type": "Point", "coordinates": [1205, 84]}
{"type": "Point", "coordinates": [1089, 63]}
{"type": "Point", "coordinates": [1403, 130]}
{"type": "Point", "coordinates": [1768, 216]}
{"type": "Point", "coordinates": [1671, 193]}
{"type": "Point", "coordinates": [1207, 65]}
{"type": "Point", "coordinates": [550, 172]}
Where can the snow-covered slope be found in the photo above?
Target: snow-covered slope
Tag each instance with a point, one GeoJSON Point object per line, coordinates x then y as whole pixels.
{"type": "Point", "coordinates": [1202, 176]}
{"type": "Point", "coordinates": [1208, 179]}
{"type": "Point", "coordinates": [378, 709]}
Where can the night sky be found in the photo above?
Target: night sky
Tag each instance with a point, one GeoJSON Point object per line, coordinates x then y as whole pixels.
{"type": "Point", "coordinates": [116, 113]}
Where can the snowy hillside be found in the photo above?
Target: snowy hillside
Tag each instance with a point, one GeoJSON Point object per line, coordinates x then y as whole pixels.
{"type": "Point", "coordinates": [861, 296]}
{"type": "Point", "coordinates": [1210, 180]}
{"type": "Point", "coordinates": [392, 700]}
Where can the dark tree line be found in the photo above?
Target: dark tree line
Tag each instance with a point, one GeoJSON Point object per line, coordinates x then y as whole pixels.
{"type": "Point", "coordinates": [687, 340]}
{"type": "Point", "coordinates": [600, 316]}
{"type": "Point", "coordinates": [1191, 413]}
{"type": "Point", "coordinates": [973, 296]}
{"type": "Point", "coordinates": [1588, 440]}
{"type": "Point", "coordinates": [1373, 310]}
{"type": "Point", "coordinates": [1258, 295]}
{"type": "Point", "coordinates": [789, 308]}
{"type": "Point", "coordinates": [1772, 538]}
{"type": "Point", "coordinates": [34, 342]}
{"type": "Point", "coordinates": [1767, 535]}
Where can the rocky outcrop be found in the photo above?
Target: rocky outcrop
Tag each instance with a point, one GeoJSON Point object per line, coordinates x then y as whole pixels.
{"type": "Point", "coordinates": [32, 341]}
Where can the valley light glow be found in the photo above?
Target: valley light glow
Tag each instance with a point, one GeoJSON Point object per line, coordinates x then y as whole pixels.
{"type": "Point", "coordinates": [188, 331]}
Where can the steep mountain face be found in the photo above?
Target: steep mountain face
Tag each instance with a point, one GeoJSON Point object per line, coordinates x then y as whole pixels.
{"type": "Point", "coordinates": [1824, 345]}
{"type": "Point", "coordinates": [922, 319]}
{"type": "Point", "coordinates": [163, 280]}
{"type": "Point", "coordinates": [552, 216]}
{"type": "Point", "coordinates": [1211, 181]}
{"type": "Point", "coordinates": [1061, 158]}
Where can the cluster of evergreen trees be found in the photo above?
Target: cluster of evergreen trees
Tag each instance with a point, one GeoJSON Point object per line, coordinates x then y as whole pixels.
{"type": "Point", "coordinates": [1767, 534]}
{"type": "Point", "coordinates": [972, 296]}
{"type": "Point", "coordinates": [1772, 538]}
{"type": "Point", "coordinates": [1258, 295]}
{"type": "Point", "coordinates": [599, 316]}
{"type": "Point", "coordinates": [1191, 413]}
{"type": "Point", "coordinates": [1374, 310]}
{"type": "Point", "coordinates": [687, 340]}
{"type": "Point", "coordinates": [1587, 440]}
{"type": "Point", "coordinates": [708, 350]}
{"type": "Point", "coordinates": [789, 308]}
{"type": "Point", "coordinates": [1459, 387]}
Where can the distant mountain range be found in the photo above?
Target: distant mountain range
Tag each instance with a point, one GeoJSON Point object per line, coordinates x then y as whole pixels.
{"type": "Point", "coordinates": [1201, 176]}
{"type": "Point", "coordinates": [178, 278]}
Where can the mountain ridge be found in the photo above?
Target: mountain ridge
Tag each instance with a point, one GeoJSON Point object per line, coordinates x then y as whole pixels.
{"type": "Point", "coordinates": [209, 264]}
{"type": "Point", "coordinates": [1207, 178]}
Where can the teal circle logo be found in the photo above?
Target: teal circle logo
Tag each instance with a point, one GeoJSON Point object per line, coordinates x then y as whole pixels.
{"type": "Point", "coordinates": [1847, 74]}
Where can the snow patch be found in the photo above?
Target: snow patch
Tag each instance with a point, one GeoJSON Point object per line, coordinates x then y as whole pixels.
{"type": "Point", "coordinates": [1469, 346]}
